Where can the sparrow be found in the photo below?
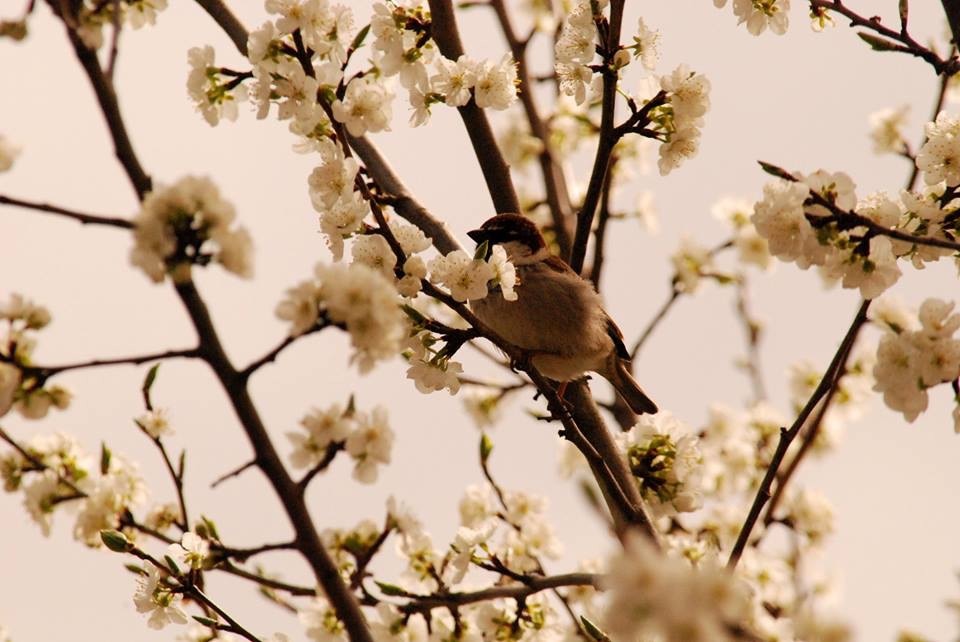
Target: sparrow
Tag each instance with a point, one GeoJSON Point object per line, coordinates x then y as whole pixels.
{"type": "Point", "coordinates": [558, 316]}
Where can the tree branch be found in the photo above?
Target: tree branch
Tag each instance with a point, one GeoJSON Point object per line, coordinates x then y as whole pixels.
{"type": "Point", "coordinates": [495, 170]}
{"type": "Point", "coordinates": [554, 182]}
{"type": "Point", "coordinates": [828, 381]}
{"type": "Point", "coordinates": [107, 98]}
{"type": "Point", "coordinates": [605, 144]}
{"type": "Point", "coordinates": [424, 603]}
{"type": "Point", "coordinates": [222, 15]}
{"type": "Point", "coordinates": [86, 219]}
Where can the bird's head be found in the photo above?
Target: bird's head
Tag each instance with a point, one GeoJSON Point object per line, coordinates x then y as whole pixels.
{"type": "Point", "coordinates": [517, 234]}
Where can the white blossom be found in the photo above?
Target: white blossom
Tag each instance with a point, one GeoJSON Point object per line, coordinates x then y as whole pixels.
{"type": "Point", "coordinates": [212, 97]}
{"type": "Point", "coordinates": [8, 153]}
{"type": "Point", "coordinates": [665, 458]}
{"type": "Point", "coordinates": [368, 304]}
{"type": "Point", "coordinates": [939, 158]}
{"type": "Point", "coordinates": [886, 130]}
{"type": "Point", "coordinates": [760, 14]}
{"type": "Point", "coordinates": [496, 86]}
{"type": "Point", "coordinates": [455, 79]}
{"type": "Point", "coordinates": [365, 107]}
{"type": "Point", "coordinates": [153, 596]}
{"type": "Point", "coordinates": [370, 444]}
{"type": "Point", "coordinates": [652, 595]}
{"type": "Point", "coordinates": [321, 428]}
{"type": "Point", "coordinates": [465, 276]}
{"type": "Point", "coordinates": [191, 551]}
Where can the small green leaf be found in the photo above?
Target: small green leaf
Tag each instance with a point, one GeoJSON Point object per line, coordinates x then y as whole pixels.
{"type": "Point", "coordinates": [486, 447]}
{"type": "Point", "coordinates": [415, 315]}
{"type": "Point", "coordinates": [172, 564]}
{"type": "Point", "coordinates": [593, 631]}
{"type": "Point", "coordinates": [779, 172]}
{"type": "Point", "coordinates": [148, 384]}
{"type": "Point", "coordinates": [877, 44]}
{"type": "Point", "coordinates": [105, 456]}
{"type": "Point", "coordinates": [391, 589]}
{"type": "Point", "coordinates": [360, 37]}
{"type": "Point", "coordinates": [213, 624]}
{"type": "Point", "coordinates": [210, 528]}
{"type": "Point", "coordinates": [116, 541]}
{"type": "Point", "coordinates": [136, 569]}
{"type": "Point", "coordinates": [480, 254]}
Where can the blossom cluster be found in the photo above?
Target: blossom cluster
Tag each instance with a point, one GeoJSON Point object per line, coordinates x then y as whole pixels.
{"type": "Point", "coordinates": [818, 221]}
{"type": "Point", "coordinates": [915, 354]}
{"type": "Point", "coordinates": [680, 119]}
{"type": "Point", "coordinates": [23, 387]}
{"type": "Point", "coordinates": [189, 223]}
{"type": "Point", "coordinates": [59, 472]}
{"type": "Point", "coordinates": [309, 93]}
{"type": "Point", "coordinates": [366, 437]}
{"type": "Point", "coordinates": [356, 297]}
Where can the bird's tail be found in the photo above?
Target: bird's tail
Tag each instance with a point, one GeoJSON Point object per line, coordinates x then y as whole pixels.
{"type": "Point", "coordinates": [627, 387]}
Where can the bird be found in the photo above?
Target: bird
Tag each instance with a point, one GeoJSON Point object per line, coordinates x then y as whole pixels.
{"type": "Point", "coordinates": [558, 316]}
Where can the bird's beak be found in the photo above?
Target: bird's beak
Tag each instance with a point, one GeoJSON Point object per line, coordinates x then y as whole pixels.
{"type": "Point", "coordinates": [479, 235]}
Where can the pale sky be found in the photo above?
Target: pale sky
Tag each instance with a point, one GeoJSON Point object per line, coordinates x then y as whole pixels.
{"type": "Point", "coordinates": [800, 101]}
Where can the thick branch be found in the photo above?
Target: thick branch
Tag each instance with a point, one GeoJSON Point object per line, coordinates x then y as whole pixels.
{"type": "Point", "coordinates": [227, 21]}
{"type": "Point", "coordinates": [308, 540]}
{"type": "Point", "coordinates": [107, 98]}
{"type": "Point", "coordinates": [554, 182]}
{"type": "Point", "coordinates": [495, 170]}
{"type": "Point", "coordinates": [86, 219]}
{"type": "Point", "coordinates": [952, 9]}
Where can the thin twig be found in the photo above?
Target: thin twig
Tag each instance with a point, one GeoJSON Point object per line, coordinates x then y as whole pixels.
{"type": "Point", "coordinates": [605, 143]}
{"type": "Point", "coordinates": [191, 589]}
{"type": "Point", "coordinates": [655, 321]}
{"type": "Point", "coordinates": [49, 371]}
{"type": "Point", "coordinates": [753, 331]}
{"type": "Point", "coordinates": [86, 219]}
{"type": "Point", "coordinates": [531, 585]}
{"type": "Point", "coordinates": [272, 355]}
{"type": "Point", "coordinates": [233, 473]}
{"type": "Point", "coordinates": [828, 381]}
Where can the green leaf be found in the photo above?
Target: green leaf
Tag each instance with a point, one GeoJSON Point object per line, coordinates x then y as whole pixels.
{"type": "Point", "coordinates": [211, 528]}
{"type": "Point", "coordinates": [116, 541]}
{"type": "Point", "coordinates": [148, 384]}
{"type": "Point", "coordinates": [877, 44]}
{"type": "Point", "coordinates": [486, 447]}
{"type": "Point", "coordinates": [213, 624]}
{"type": "Point", "coordinates": [136, 569]}
{"type": "Point", "coordinates": [593, 630]}
{"type": "Point", "coordinates": [172, 564]}
{"type": "Point", "coordinates": [414, 314]}
{"type": "Point", "coordinates": [105, 456]}
{"type": "Point", "coordinates": [779, 172]}
{"type": "Point", "coordinates": [391, 589]}
{"type": "Point", "coordinates": [360, 37]}
{"type": "Point", "coordinates": [480, 254]}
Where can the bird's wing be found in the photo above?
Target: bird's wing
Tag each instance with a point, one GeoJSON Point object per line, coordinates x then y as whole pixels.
{"type": "Point", "coordinates": [614, 332]}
